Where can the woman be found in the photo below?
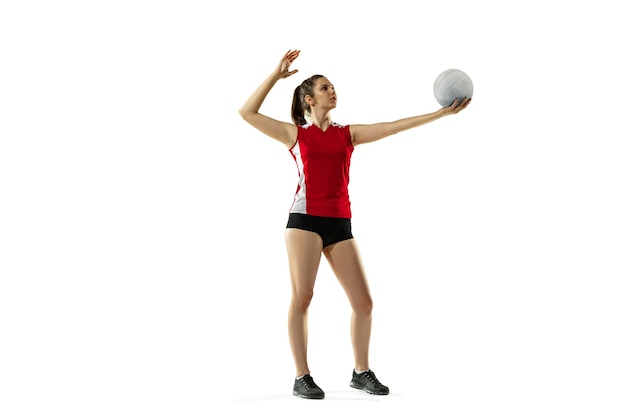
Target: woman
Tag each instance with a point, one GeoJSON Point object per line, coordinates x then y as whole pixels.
{"type": "Point", "coordinates": [319, 218]}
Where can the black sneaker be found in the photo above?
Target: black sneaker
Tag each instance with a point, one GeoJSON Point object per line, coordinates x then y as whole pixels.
{"type": "Point", "coordinates": [368, 382]}
{"type": "Point", "coordinates": [305, 387]}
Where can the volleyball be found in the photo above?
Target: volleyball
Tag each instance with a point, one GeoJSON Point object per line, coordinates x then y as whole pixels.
{"type": "Point", "coordinates": [452, 84]}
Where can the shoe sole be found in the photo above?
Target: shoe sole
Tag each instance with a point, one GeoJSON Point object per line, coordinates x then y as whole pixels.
{"type": "Point", "coordinates": [367, 390]}
{"type": "Point", "coordinates": [297, 394]}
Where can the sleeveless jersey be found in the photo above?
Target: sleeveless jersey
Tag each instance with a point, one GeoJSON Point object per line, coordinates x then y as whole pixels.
{"type": "Point", "coordinates": [323, 161]}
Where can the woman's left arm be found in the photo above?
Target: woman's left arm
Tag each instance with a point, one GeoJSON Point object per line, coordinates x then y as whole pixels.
{"type": "Point", "coordinates": [373, 132]}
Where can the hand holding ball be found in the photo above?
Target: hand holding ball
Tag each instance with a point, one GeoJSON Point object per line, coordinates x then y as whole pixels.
{"type": "Point", "coordinates": [452, 84]}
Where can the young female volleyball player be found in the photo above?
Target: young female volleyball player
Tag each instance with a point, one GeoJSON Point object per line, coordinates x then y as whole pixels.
{"type": "Point", "coordinates": [319, 218]}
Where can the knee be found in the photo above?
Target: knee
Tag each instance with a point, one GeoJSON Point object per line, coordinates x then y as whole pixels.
{"type": "Point", "coordinates": [301, 299]}
{"type": "Point", "coordinates": [363, 307]}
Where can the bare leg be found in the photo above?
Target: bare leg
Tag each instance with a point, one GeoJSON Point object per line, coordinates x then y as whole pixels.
{"type": "Point", "coordinates": [304, 250]}
{"type": "Point", "coordinates": [345, 260]}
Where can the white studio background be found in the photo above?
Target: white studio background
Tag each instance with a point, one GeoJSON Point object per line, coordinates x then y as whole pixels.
{"type": "Point", "coordinates": [142, 263]}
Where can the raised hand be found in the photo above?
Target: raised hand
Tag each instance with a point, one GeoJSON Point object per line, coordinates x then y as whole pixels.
{"type": "Point", "coordinates": [285, 63]}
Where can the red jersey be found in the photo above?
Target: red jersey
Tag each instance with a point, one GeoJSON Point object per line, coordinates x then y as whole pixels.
{"type": "Point", "coordinates": [323, 161]}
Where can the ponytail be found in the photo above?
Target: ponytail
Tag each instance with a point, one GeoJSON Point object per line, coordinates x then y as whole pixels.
{"type": "Point", "coordinates": [297, 111]}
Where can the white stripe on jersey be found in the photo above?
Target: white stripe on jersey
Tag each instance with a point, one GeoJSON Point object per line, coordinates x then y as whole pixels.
{"type": "Point", "coordinates": [299, 200]}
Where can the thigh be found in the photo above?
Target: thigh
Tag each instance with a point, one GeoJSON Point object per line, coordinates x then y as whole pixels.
{"type": "Point", "coordinates": [345, 261]}
{"type": "Point", "coordinates": [304, 250]}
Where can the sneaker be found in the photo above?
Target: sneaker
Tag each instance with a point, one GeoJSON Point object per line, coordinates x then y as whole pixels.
{"type": "Point", "coordinates": [305, 387]}
{"type": "Point", "coordinates": [368, 382]}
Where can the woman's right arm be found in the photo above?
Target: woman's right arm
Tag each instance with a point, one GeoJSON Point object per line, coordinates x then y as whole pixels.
{"type": "Point", "coordinates": [281, 131]}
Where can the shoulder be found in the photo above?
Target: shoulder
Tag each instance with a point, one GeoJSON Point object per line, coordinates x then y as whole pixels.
{"type": "Point", "coordinates": [340, 129]}
{"type": "Point", "coordinates": [343, 130]}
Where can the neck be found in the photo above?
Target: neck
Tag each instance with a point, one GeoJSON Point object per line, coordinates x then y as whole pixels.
{"type": "Point", "coordinates": [321, 120]}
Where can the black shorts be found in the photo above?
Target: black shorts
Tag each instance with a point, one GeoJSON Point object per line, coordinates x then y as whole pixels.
{"type": "Point", "coordinates": [331, 229]}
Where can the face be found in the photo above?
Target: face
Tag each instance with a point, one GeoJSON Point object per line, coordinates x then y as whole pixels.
{"type": "Point", "coordinates": [324, 94]}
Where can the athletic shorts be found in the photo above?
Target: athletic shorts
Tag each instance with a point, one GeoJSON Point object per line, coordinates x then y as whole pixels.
{"type": "Point", "coordinates": [330, 229]}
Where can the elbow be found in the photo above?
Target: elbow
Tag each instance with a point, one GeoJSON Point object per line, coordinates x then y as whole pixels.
{"type": "Point", "coordinates": [245, 114]}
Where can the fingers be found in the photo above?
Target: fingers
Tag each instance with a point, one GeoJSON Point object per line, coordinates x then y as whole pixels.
{"type": "Point", "coordinates": [463, 104]}
{"type": "Point", "coordinates": [459, 104]}
{"type": "Point", "coordinates": [291, 56]}
{"type": "Point", "coordinates": [286, 62]}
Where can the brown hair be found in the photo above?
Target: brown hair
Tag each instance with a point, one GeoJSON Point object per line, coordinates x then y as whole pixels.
{"type": "Point", "coordinates": [299, 106]}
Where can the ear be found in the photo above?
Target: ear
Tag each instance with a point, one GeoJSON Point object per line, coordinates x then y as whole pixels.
{"type": "Point", "coordinates": [309, 100]}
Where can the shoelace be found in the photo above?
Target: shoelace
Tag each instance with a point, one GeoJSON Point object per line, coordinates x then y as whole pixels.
{"type": "Point", "coordinates": [369, 375]}
{"type": "Point", "coordinates": [307, 382]}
